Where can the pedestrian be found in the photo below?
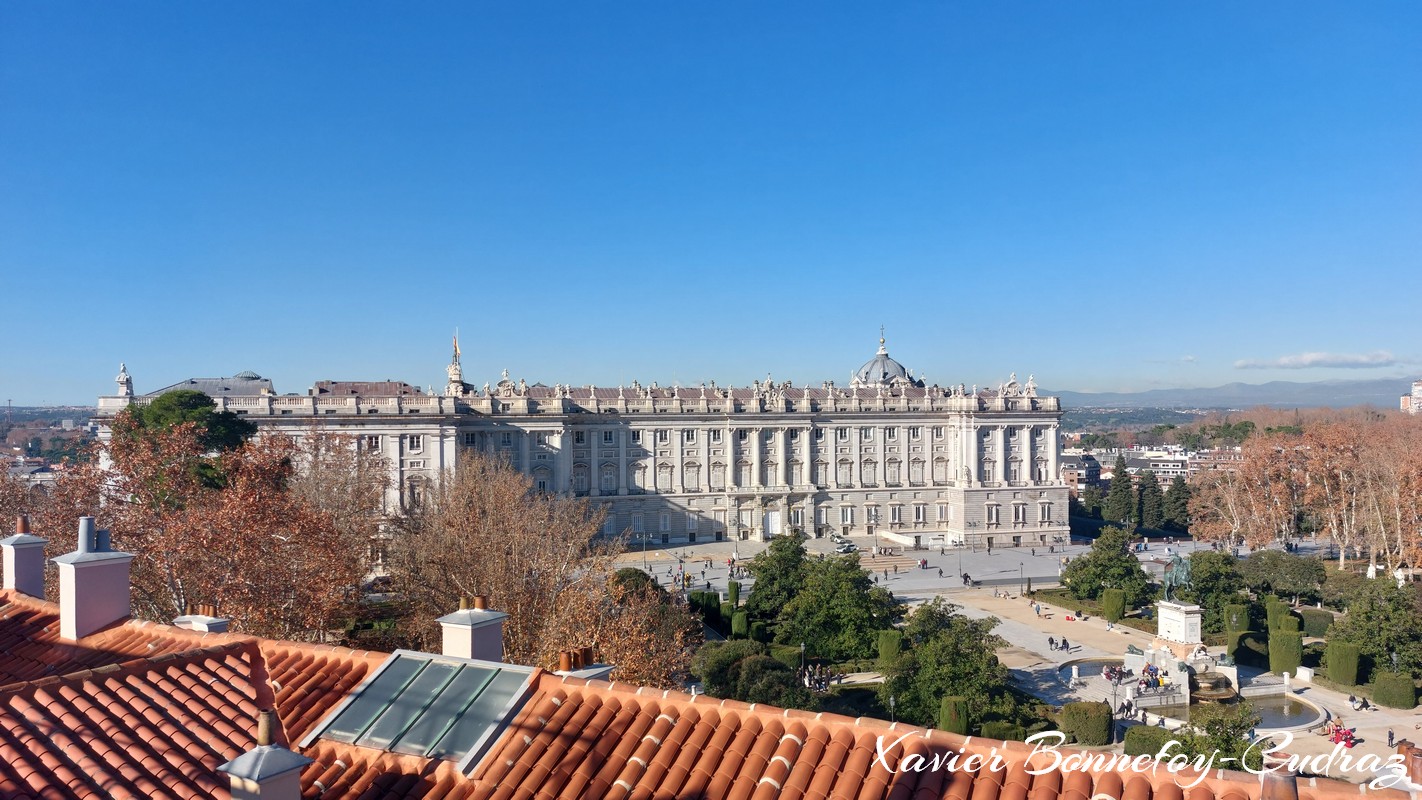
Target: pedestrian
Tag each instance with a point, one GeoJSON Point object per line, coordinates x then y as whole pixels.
{"type": "Point", "coordinates": [1390, 740]}
{"type": "Point", "coordinates": [1052, 642]}
{"type": "Point", "coordinates": [940, 572]}
{"type": "Point", "coordinates": [1034, 551]}
{"type": "Point", "coordinates": [1037, 607]}
{"type": "Point", "coordinates": [896, 569]}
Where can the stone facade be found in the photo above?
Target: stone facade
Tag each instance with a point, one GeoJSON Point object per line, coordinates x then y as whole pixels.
{"type": "Point", "coordinates": [888, 456]}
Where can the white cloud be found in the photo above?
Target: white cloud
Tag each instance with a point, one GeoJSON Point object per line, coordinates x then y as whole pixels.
{"type": "Point", "coordinates": [1378, 358]}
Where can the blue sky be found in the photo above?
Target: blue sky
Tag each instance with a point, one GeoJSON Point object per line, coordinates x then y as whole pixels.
{"type": "Point", "coordinates": [1112, 196]}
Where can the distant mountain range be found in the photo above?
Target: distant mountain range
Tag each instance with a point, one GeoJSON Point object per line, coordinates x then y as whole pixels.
{"type": "Point", "coordinates": [1381, 392]}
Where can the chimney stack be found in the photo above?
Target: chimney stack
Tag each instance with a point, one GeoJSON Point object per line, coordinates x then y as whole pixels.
{"type": "Point", "coordinates": [579, 663]}
{"type": "Point", "coordinates": [1278, 782]}
{"type": "Point", "coordinates": [24, 560]}
{"type": "Point", "coordinates": [205, 620]}
{"type": "Point", "coordinates": [268, 771]}
{"type": "Point", "coordinates": [93, 584]}
{"type": "Point", "coordinates": [476, 633]}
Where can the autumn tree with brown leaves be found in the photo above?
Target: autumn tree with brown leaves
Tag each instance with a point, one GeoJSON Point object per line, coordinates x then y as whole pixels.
{"type": "Point", "coordinates": [539, 559]}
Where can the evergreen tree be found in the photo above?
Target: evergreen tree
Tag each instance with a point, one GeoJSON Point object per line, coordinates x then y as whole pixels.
{"type": "Point", "coordinates": [1152, 508]}
{"type": "Point", "coordinates": [779, 572]}
{"type": "Point", "coordinates": [1091, 501]}
{"type": "Point", "coordinates": [1120, 505]}
{"type": "Point", "coordinates": [1177, 505]}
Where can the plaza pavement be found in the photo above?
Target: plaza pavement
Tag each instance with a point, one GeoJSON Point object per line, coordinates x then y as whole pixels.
{"type": "Point", "coordinates": [1001, 575]}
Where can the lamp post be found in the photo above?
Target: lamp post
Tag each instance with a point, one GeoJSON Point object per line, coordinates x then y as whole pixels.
{"type": "Point", "coordinates": [891, 709]}
{"type": "Point", "coordinates": [1021, 587]}
{"type": "Point", "coordinates": [802, 656]}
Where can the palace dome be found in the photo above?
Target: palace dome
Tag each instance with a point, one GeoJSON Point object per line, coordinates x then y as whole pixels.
{"type": "Point", "coordinates": [881, 370]}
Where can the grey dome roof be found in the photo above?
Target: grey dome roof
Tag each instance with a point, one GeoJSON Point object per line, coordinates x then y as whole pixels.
{"type": "Point", "coordinates": [248, 375]}
{"type": "Point", "coordinates": [881, 370]}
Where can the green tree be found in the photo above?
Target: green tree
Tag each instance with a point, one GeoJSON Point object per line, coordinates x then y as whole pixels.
{"type": "Point", "coordinates": [1152, 502]}
{"type": "Point", "coordinates": [1285, 574]}
{"type": "Point", "coordinates": [945, 654]}
{"type": "Point", "coordinates": [217, 430]}
{"type": "Point", "coordinates": [837, 612]}
{"type": "Point", "coordinates": [634, 581]}
{"type": "Point", "coordinates": [779, 572]}
{"type": "Point", "coordinates": [1381, 620]}
{"type": "Point", "coordinates": [1091, 501]}
{"type": "Point", "coordinates": [1109, 564]}
{"type": "Point", "coordinates": [1215, 583]}
{"type": "Point", "coordinates": [1223, 730]}
{"type": "Point", "coordinates": [1177, 505]}
{"type": "Point", "coordinates": [1120, 502]}
{"type": "Point", "coordinates": [742, 670]}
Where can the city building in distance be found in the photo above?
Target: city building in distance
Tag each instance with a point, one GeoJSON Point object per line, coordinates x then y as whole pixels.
{"type": "Point", "coordinates": [885, 455]}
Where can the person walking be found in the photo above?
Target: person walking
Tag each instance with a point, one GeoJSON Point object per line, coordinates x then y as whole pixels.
{"type": "Point", "coordinates": [1052, 642]}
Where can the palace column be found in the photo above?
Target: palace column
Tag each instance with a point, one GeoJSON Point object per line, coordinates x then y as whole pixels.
{"type": "Point", "coordinates": [622, 477]}
{"type": "Point", "coordinates": [782, 461]}
{"type": "Point", "coordinates": [999, 465]}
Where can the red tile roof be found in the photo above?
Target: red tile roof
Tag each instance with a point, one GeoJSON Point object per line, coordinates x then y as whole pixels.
{"type": "Point", "coordinates": [136, 724]}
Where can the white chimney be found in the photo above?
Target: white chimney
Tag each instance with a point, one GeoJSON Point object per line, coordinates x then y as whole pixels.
{"type": "Point", "coordinates": [24, 560]}
{"type": "Point", "coordinates": [267, 771]}
{"type": "Point", "coordinates": [203, 621]}
{"type": "Point", "coordinates": [474, 632]}
{"type": "Point", "coordinates": [93, 584]}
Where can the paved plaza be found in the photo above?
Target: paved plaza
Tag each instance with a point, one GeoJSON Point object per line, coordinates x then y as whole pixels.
{"type": "Point", "coordinates": [1000, 576]}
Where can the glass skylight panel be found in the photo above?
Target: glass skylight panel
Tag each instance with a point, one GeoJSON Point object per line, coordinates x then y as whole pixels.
{"type": "Point", "coordinates": [429, 706]}
{"type": "Point", "coordinates": [448, 708]}
{"type": "Point", "coordinates": [372, 700]}
{"type": "Point", "coordinates": [482, 717]}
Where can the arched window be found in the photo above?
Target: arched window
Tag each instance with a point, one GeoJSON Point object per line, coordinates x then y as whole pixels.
{"type": "Point", "coordinates": [609, 477]}
{"type": "Point", "coordinates": [916, 472]}
{"type": "Point", "coordinates": [891, 472]}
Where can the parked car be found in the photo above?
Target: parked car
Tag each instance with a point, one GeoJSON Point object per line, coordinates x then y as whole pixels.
{"type": "Point", "coordinates": [846, 547]}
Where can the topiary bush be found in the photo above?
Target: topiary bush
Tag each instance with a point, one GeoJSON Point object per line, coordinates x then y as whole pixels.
{"type": "Point", "coordinates": [1113, 604]}
{"type": "Point", "coordinates": [1086, 723]}
{"type": "Point", "coordinates": [1394, 690]}
{"type": "Point", "coordinates": [1288, 623]}
{"type": "Point", "coordinates": [891, 643]}
{"type": "Point", "coordinates": [1316, 622]}
{"type": "Point", "coordinates": [1249, 648]}
{"type": "Point", "coordinates": [740, 625]}
{"type": "Point", "coordinates": [953, 714]}
{"type": "Point", "coordinates": [1285, 652]}
{"type": "Point", "coordinates": [787, 654]}
{"type": "Point", "coordinates": [1343, 659]}
{"type": "Point", "coordinates": [1146, 740]}
{"type": "Point", "coordinates": [759, 631]}
{"type": "Point", "coordinates": [733, 592]}
{"type": "Point", "coordinates": [1004, 730]}
{"type": "Point", "coordinates": [1273, 610]}
{"type": "Point", "coordinates": [1236, 617]}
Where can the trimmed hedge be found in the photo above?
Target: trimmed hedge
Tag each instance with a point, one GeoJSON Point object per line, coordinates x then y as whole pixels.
{"type": "Point", "coordinates": [1274, 610]}
{"type": "Point", "coordinates": [759, 631]}
{"type": "Point", "coordinates": [727, 611]}
{"type": "Point", "coordinates": [740, 625]}
{"type": "Point", "coordinates": [953, 714]}
{"type": "Point", "coordinates": [733, 592]}
{"type": "Point", "coordinates": [1289, 624]}
{"type": "Point", "coordinates": [1236, 618]}
{"type": "Point", "coordinates": [1285, 651]}
{"type": "Point", "coordinates": [1394, 690]}
{"type": "Point", "coordinates": [1004, 730]}
{"type": "Point", "coordinates": [1146, 740]}
{"type": "Point", "coordinates": [1113, 604]}
{"type": "Point", "coordinates": [891, 643]}
{"type": "Point", "coordinates": [1316, 622]}
{"type": "Point", "coordinates": [787, 654]}
{"type": "Point", "coordinates": [1249, 648]}
{"type": "Point", "coordinates": [1086, 723]}
{"type": "Point", "coordinates": [1343, 659]}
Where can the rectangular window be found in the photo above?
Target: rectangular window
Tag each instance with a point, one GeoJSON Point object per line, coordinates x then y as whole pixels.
{"type": "Point", "coordinates": [943, 512]}
{"type": "Point", "coordinates": [742, 434]}
{"type": "Point", "coordinates": [892, 434]}
{"type": "Point", "coordinates": [638, 526]}
{"type": "Point", "coordinates": [819, 434]}
{"type": "Point", "coordinates": [664, 521]}
{"type": "Point", "coordinates": [915, 434]}
{"type": "Point", "coordinates": [607, 437]}
{"type": "Point", "coordinates": [636, 436]}
{"type": "Point", "coordinates": [794, 434]}
{"type": "Point", "coordinates": [841, 434]}
{"type": "Point", "coordinates": [1019, 513]}
{"type": "Point", "coordinates": [415, 464]}
{"type": "Point", "coordinates": [896, 514]}
{"type": "Point", "coordinates": [797, 517]}
{"type": "Point", "coordinates": [846, 515]}
{"type": "Point", "coordinates": [373, 442]}
{"type": "Point", "coordinates": [689, 436]}
{"type": "Point", "coordinates": [1044, 512]}
{"type": "Point", "coordinates": [691, 522]}
{"type": "Point", "coordinates": [663, 436]}
{"type": "Point", "coordinates": [415, 441]}
{"type": "Point", "coordinates": [992, 513]}
{"type": "Point", "coordinates": [866, 434]}
{"type": "Point", "coordinates": [821, 516]}
{"type": "Point", "coordinates": [506, 440]}
{"type": "Point", "coordinates": [580, 437]}
{"type": "Point", "coordinates": [716, 436]}
{"type": "Point", "coordinates": [920, 514]}
{"type": "Point", "coordinates": [470, 439]}
{"type": "Point", "coordinates": [938, 432]}
{"type": "Point", "coordinates": [540, 438]}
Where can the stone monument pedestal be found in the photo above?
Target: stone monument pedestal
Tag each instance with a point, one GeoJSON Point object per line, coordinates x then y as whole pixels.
{"type": "Point", "coordinates": [1178, 628]}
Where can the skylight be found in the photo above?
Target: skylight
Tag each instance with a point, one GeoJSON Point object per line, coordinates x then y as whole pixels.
{"type": "Point", "coordinates": [430, 706]}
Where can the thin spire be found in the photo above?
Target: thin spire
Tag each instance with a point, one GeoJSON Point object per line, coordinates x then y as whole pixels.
{"type": "Point", "coordinates": [883, 351]}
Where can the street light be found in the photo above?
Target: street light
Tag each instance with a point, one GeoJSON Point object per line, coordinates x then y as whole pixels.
{"type": "Point", "coordinates": [891, 709]}
{"type": "Point", "coordinates": [802, 656]}
{"type": "Point", "coordinates": [1021, 588]}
